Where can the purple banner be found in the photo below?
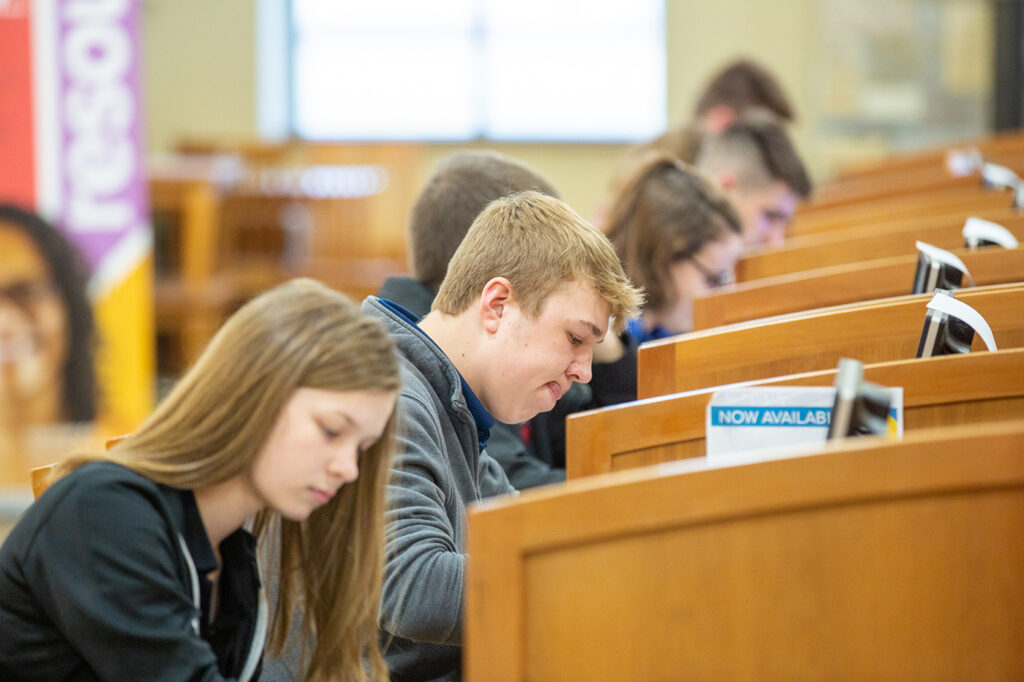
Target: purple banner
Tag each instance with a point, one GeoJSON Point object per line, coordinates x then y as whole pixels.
{"type": "Point", "coordinates": [103, 198]}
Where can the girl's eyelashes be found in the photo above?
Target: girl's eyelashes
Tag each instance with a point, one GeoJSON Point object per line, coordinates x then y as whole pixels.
{"type": "Point", "coordinates": [575, 340]}
{"type": "Point", "coordinates": [328, 432]}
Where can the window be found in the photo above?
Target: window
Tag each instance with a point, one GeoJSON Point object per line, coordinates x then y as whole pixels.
{"type": "Point", "coordinates": [452, 70]}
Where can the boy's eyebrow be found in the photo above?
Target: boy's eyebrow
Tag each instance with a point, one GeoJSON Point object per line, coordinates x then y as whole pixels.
{"type": "Point", "coordinates": [594, 329]}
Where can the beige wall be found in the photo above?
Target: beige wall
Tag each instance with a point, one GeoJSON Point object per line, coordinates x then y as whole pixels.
{"type": "Point", "coordinates": [201, 81]}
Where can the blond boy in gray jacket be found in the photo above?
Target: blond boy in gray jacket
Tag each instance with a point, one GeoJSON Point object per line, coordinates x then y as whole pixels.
{"type": "Point", "coordinates": [527, 295]}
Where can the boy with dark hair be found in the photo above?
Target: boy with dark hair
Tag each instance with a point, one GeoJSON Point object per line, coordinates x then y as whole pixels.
{"type": "Point", "coordinates": [739, 87]}
{"type": "Point", "coordinates": [757, 166]}
{"type": "Point", "coordinates": [463, 184]}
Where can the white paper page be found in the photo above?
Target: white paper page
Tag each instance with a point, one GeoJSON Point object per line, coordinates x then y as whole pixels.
{"type": "Point", "coordinates": [944, 257]}
{"type": "Point", "coordinates": [979, 228]}
{"type": "Point", "coordinates": [947, 304]}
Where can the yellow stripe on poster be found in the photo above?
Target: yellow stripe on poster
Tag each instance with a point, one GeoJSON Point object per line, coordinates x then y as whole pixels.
{"type": "Point", "coordinates": [126, 358]}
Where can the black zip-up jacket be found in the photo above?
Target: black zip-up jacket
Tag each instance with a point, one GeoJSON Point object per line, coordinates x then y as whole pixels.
{"type": "Point", "coordinates": [104, 578]}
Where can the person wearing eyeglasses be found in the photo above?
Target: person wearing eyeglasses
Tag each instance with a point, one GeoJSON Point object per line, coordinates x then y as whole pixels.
{"type": "Point", "coordinates": [46, 325]}
{"type": "Point", "coordinates": [678, 237]}
{"type": "Point", "coordinates": [47, 378]}
{"type": "Point", "coordinates": [759, 170]}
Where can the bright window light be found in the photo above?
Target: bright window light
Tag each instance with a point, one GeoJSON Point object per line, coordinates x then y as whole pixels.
{"type": "Point", "coordinates": [464, 69]}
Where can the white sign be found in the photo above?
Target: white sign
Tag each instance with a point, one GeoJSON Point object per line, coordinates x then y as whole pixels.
{"type": "Point", "coordinates": [963, 162]}
{"type": "Point", "coordinates": [944, 257]}
{"type": "Point", "coordinates": [999, 176]}
{"type": "Point", "coordinates": [945, 303]}
{"type": "Point", "coordinates": [741, 420]}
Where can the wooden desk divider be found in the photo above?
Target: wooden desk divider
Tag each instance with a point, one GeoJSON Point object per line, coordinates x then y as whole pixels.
{"type": "Point", "coordinates": [909, 181]}
{"type": "Point", "coordinates": [866, 242]}
{"type": "Point", "coordinates": [41, 475]}
{"type": "Point", "coordinates": [839, 284]}
{"type": "Point", "coordinates": [877, 331]}
{"type": "Point", "coordinates": [812, 220]}
{"type": "Point", "coordinates": [41, 479]}
{"type": "Point", "coordinates": [944, 390]}
{"type": "Point", "coordinates": [872, 560]}
{"type": "Point", "coordinates": [992, 147]}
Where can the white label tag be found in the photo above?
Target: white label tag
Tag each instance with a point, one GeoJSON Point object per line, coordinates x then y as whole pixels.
{"type": "Point", "coordinates": [765, 418]}
{"type": "Point", "coordinates": [976, 229]}
{"type": "Point", "coordinates": [944, 257]}
{"type": "Point", "coordinates": [999, 176]}
{"type": "Point", "coordinates": [945, 303]}
{"type": "Point", "coordinates": [963, 162]}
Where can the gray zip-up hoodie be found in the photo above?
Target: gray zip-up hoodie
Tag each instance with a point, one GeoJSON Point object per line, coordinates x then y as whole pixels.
{"type": "Point", "coordinates": [439, 468]}
{"type": "Point", "coordinates": [523, 469]}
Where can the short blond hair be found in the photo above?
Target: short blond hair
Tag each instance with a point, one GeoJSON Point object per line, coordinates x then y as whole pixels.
{"type": "Point", "coordinates": [538, 243]}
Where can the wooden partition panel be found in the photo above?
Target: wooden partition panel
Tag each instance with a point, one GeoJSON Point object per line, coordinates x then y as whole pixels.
{"type": "Point", "coordinates": [878, 331]}
{"type": "Point", "coordinates": [41, 479]}
{"type": "Point", "coordinates": [810, 220]}
{"type": "Point", "coordinates": [839, 284]}
{"type": "Point", "coordinates": [913, 180]}
{"type": "Point", "coordinates": [992, 147]}
{"type": "Point", "coordinates": [947, 390]}
{"type": "Point", "coordinates": [867, 242]}
{"type": "Point", "coordinates": [871, 561]}
{"type": "Point", "coordinates": [910, 182]}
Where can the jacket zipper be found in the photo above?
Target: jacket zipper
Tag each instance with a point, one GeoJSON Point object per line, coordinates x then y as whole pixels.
{"type": "Point", "coordinates": [259, 636]}
{"type": "Point", "coordinates": [260, 631]}
{"type": "Point", "coordinates": [194, 575]}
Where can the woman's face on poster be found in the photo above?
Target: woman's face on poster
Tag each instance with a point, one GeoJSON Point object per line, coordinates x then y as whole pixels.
{"type": "Point", "coordinates": [33, 321]}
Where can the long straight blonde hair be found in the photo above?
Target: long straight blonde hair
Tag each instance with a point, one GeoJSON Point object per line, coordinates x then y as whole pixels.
{"type": "Point", "coordinates": [217, 418]}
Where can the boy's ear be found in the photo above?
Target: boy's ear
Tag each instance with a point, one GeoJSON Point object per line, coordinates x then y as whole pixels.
{"type": "Point", "coordinates": [496, 296]}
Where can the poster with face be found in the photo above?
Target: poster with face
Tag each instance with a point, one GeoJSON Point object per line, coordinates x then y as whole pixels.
{"type": "Point", "coordinates": [76, 357]}
{"type": "Point", "coordinates": [47, 376]}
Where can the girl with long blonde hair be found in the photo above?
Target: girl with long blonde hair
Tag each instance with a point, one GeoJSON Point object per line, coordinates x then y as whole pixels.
{"type": "Point", "coordinates": [137, 563]}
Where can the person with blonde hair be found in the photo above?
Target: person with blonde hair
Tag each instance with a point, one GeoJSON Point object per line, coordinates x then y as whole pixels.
{"type": "Point", "coordinates": [530, 291]}
{"type": "Point", "coordinates": [136, 564]}
{"type": "Point", "coordinates": [678, 238]}
{"type": "Point", "coordinates": [461, 187]}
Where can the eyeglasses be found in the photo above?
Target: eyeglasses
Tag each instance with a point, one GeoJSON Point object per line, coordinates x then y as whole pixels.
{"type": "Point", "coordinates": [711, 278]}
{"type": "Point", "coordinates": [27, 294]}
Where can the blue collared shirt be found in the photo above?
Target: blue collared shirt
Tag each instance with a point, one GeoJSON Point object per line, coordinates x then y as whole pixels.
{"type": "Point", "coordinates": [635, 327]}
